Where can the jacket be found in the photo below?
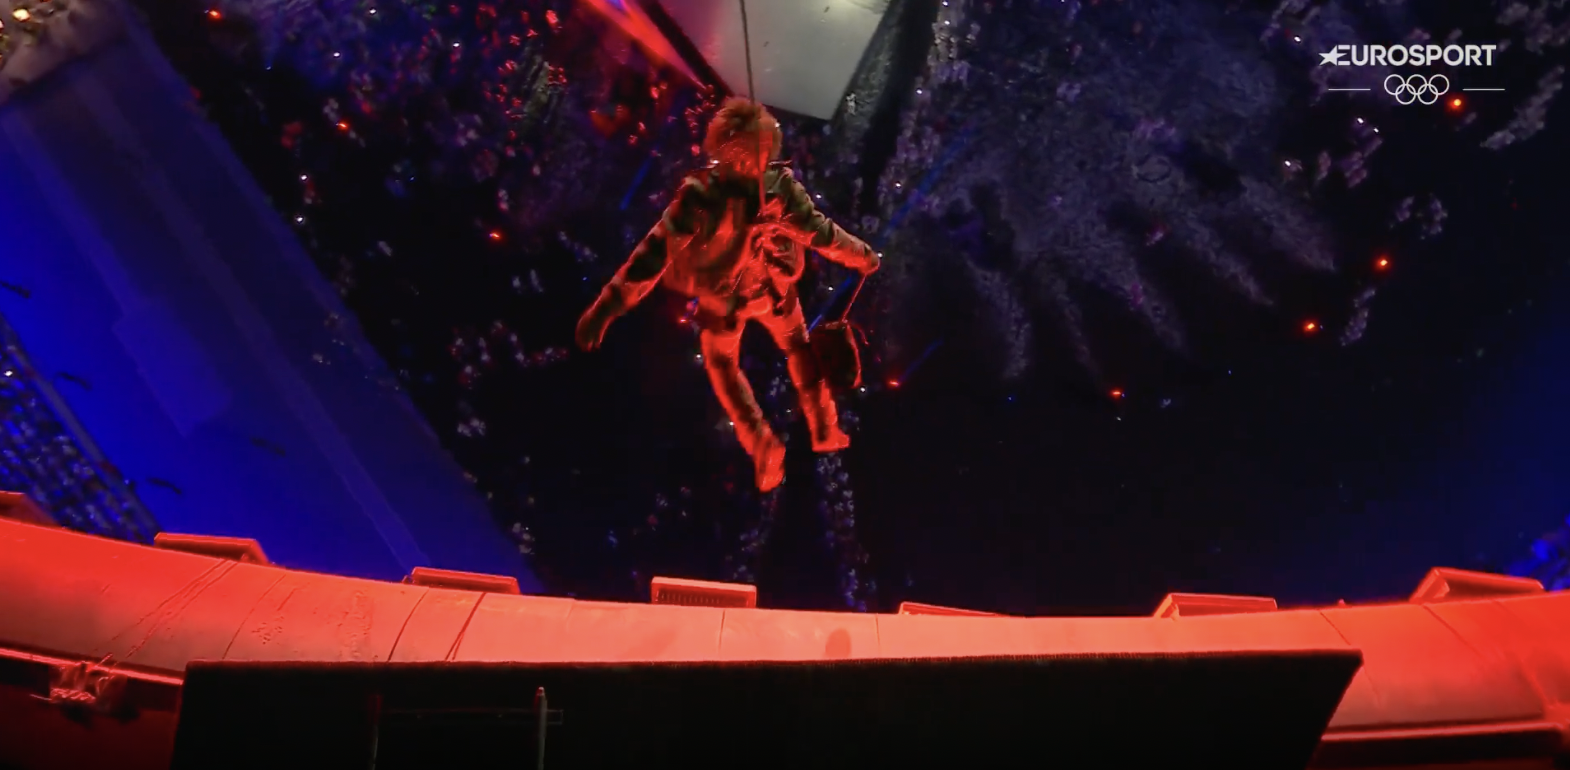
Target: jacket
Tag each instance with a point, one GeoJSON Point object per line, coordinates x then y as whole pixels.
{"type": "Point", "coordinates": [714, 245]}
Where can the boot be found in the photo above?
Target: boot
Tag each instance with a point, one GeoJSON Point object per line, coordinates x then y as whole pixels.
{"type": "Point", "coordinates": [768, 462]}
{"type": "Point", "coordinates": [817, 405]}
{"type": "Point", "coordinates": [766, 450]}
{"type": "Point", "coordinates": [812, 390]}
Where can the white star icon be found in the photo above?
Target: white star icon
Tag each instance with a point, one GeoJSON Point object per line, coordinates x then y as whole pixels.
{"type": "Point", "coordinates": [1334, 57]}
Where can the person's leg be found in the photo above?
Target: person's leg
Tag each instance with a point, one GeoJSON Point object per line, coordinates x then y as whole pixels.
{"type": "Point", "coordinates": [789, 331]}
{"type": "Point", "coordinates": [722, 360]}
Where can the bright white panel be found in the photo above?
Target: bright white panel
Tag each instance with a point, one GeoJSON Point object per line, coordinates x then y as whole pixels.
{"type": "Point", "coordinates": [804, 52]}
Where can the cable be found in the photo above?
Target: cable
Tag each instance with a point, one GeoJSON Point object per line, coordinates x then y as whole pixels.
{"type": "Point", "coordinates": [746, 41]}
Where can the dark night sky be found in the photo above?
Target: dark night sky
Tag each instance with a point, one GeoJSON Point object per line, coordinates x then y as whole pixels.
{"type": "Point", "coordinates": [1284, 464]}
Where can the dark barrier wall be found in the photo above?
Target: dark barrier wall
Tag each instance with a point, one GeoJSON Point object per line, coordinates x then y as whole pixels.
{"type": "Point", "coordinates": [194, 339]}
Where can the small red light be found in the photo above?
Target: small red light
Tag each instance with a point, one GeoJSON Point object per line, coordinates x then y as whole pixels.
{"type": "Point", "coordinates": [1309, 327]}
{"type": "Point", "coordinates": [1117, 393]}
{"type": "Point", "coordinates": [1456, 104]}
{"type": "Point", "coordinates": [1383, 263]}
{"type": "Point", "coordinates": [215, 15]}
{"type": "Point", "coordinates": [496, 235]}
{"type": "Point", "coordinates": [893, 383]}
{"type": "Point", "coordinates": [343, 126]}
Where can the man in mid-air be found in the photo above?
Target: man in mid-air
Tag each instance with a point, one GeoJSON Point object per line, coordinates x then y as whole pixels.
{"type": "Point", "coordinates": [735, 240]}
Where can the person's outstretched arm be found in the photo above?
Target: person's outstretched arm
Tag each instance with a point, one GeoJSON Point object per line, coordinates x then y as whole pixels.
{"type": "Point", "coordinates": [807, 225]}
{"type": "Point", "coordinates": [642, 271]}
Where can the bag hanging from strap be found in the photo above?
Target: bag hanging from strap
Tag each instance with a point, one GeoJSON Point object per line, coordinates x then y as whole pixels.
{"type": "Point", "coordinates": [837, 346]}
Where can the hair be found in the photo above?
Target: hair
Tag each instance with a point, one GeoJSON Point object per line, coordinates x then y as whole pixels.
{"type": "Point", "coordinates": [741, 132]}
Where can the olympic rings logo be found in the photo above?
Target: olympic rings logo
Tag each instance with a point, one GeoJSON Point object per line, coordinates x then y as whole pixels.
{"type": "Point", "coordinates": [1417, 88]}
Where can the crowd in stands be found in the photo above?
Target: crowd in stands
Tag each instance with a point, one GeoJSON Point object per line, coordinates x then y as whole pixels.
{"type": "Point", "coordinates": [45, 456]}
{"type": "Point", "coordinates": [1138, 134]}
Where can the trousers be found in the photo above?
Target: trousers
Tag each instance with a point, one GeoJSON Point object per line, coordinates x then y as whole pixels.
{"type": "Point", "coordinates": [721, 347]}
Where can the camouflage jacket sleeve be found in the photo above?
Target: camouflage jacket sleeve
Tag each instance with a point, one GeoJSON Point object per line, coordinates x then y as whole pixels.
{"type": "Point", "coordinates": [649, 259]}
{"type": "Point", "coordinates": [808, 226]}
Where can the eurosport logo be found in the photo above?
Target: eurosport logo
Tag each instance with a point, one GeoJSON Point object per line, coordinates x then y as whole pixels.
{"type": "Point", "coordinates": [1418, 55]}
{"type": "Point", "coordinates": [1413, 89]}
